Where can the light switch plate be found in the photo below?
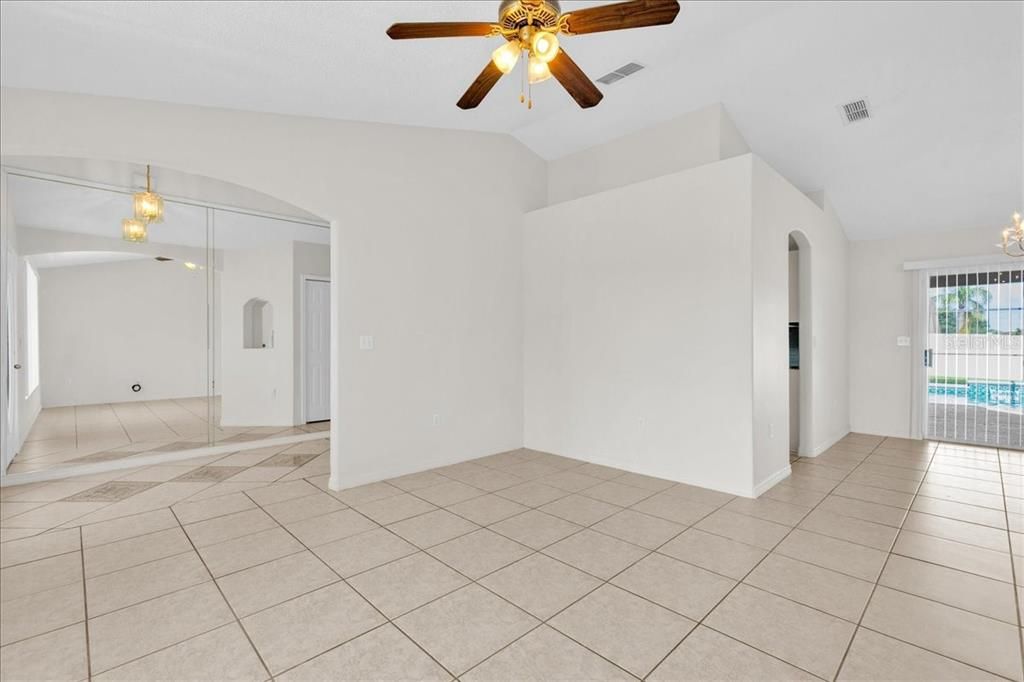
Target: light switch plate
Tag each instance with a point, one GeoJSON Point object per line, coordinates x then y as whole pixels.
{"type": "Point", "coordinates": [365, 343]}
{"type": "Point", "coordinates": [902, 340]}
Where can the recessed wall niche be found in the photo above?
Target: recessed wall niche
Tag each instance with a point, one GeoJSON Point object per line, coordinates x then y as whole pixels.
{"type": "Point", "coordinates": [257, 324]}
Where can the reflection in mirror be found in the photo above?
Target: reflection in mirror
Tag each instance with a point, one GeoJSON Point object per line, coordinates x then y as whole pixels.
{"type": "Point", "coordinates": [262, 304]}
{"type": "Point", "coordinates": [205, 333]}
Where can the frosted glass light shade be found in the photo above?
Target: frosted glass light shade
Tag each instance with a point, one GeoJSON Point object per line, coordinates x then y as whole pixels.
{"type": "Point", "coordinates": [538, 71]}
{"type": "Point", "coordinates": [544, 46]}
{"type": "Point", "coordinates": [133, 230]}
{"type": "Point", "coordinates": [149, 207]}
{"type": "Point", "coordinates": [506, 56]}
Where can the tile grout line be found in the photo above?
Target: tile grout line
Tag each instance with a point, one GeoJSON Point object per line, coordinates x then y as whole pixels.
{"type": "Point", "coordinates": [878, 577]}
{"type": "Point", "coordinates": [602, 582]}
{"type": "Point", "coordinates": [537, 508]}
{"type": "Point", "coordinates": [231, 608]}
{"type": "Point", "coordinates": [387, 619]}
{"type": "Point", "coordinates": [1013, 564]}
{"type": "Point", "coordinates": [742, 580]}
{"type": "Point", "coordinates": [85, 607]}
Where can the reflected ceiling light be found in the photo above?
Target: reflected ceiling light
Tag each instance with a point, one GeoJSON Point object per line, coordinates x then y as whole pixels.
{"type": "Point", "coordinates": [190, 265]}
{"type": "Point", "coordinates": [1013, 238]}
{"type": "Point", "coordinates": [133, 230]}
{"type": "Point", "coordinates": [149, 206]}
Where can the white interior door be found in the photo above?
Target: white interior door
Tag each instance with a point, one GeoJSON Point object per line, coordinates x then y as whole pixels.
{"type": "Point", "coordinates": [10, 428]}
{"type": "Point", "coordinates": [316, 330]}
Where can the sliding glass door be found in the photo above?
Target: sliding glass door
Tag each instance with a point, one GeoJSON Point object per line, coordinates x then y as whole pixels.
{"type": "Point", "coordinates": [973, 360]}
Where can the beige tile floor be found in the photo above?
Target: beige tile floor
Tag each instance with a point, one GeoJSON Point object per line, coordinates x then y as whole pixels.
{"type": "Point", "coordinates": [880, 559]}
{"type": "Point", "coordinates": [64, 436]}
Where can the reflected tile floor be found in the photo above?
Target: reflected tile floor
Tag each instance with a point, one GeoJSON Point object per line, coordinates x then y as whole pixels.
{"type": "Point", "coordinates": [879, 559]}
{"type": "Point", "coordinates": [68, 436]}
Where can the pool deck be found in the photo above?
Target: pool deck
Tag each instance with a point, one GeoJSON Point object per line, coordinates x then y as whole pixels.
{"type": "Point", "coordinates": [974, 424]}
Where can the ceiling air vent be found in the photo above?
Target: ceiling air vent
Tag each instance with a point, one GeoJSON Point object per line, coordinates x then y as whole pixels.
{"type": "Point", "coordinates": [855, 111]}
{"type": "Point", "coordinates": [620, 73]}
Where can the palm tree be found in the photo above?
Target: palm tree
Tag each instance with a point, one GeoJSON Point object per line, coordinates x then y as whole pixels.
{"type": "Point", "coordinates": [967, 308]}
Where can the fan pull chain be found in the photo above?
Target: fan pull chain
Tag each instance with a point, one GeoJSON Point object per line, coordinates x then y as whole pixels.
{"type": "Point", "coordinates": [529, 85]}
{"type": "Point", "coordinates": [522, 82]}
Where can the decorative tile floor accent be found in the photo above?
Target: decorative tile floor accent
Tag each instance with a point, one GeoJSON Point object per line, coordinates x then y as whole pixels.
{"type": "Point", "coordinates": [114, 491]}
{"type": "Point", "coordinates": [879, 559]}
{"type": "Point", "coordinates": [210, 473]}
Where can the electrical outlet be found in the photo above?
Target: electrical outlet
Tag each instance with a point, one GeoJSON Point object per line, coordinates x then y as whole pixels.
{"type": "Point", "coordinates": [365, 343]}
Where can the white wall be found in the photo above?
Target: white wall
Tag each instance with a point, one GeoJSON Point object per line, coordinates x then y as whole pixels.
{"type": "Point", "coordinates": [106, 326]}
{"type": "Point", "coordinates": [699, 137]}
{"type": "Point", "coordinates": [426, 254]}
{"type": "Point", "coordinates": [263, 387]}
{"type": "Point", "coordinates": [881, 309]}
{"type": "Point", "coordinates": [257, 384]}
{"type": "Point", "coordinates": [778, 209]}
{"type": "Point", "coordinates": [637, 342]}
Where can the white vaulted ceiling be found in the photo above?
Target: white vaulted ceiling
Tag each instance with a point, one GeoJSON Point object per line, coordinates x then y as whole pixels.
{"type": "Point", "coordinates": [941, 151]}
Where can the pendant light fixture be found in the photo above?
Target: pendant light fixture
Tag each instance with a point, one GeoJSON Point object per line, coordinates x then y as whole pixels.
{"type": "Point", "coordinates": [133, 230]}
{"type": "Point", "coordinates": [148, 208]}
{"type": "Point", "coordinates": [1013, 238]}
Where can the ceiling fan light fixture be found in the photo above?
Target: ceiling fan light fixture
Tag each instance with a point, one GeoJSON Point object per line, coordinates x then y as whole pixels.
{"type": "Point", "coordinates": [506, 56]}
{"type": "Point", "coordinates": [133, 230]}
{"type": "Point", "coordinates": [544, 46]}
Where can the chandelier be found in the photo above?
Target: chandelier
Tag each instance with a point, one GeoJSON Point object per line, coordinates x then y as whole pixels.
{"type": "Point", "coordinates": [1013, 238]}
{"type": "Point", "coordinates": [148, 208]}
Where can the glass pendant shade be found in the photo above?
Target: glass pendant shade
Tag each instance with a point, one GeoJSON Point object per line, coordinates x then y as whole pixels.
{"type": "Point", "coordinates": [538, 71]}
{"type": "Point", "coordinates": [506, 56]}
{"type": "Point", "coordinates": [133, 230]}
{"type": "Point", "coordinates": [544, 46]}
{"type": "Point", "coordinates": [149, 207]}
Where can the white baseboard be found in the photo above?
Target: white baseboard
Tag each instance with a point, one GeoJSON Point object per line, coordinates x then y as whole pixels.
{"type": "Point", "coordinates": [148, 460]}
{"type": "Point", "coordinates": [340, 481]}
{"type": "Point", "coordinates": [829, 442]}
{"type": "Point", "coordinates": [646, 471]}
{"type": "Point", "coordinates": [768, 483]}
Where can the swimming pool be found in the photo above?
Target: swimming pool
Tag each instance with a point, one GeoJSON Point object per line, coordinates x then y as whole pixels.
{"type": "Point", "coordinates": [990, 393]}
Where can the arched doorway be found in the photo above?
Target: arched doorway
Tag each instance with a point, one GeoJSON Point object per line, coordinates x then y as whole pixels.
{"type": "Point", "coordinates": [801, 344]}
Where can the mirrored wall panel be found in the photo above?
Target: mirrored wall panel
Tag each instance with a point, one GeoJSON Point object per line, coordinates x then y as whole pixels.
{"type": "Point", "coordinates": [197, 317]}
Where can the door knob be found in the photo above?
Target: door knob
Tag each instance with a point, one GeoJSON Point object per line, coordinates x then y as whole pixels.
{"type": "Point", "coordinates": [17, 366]}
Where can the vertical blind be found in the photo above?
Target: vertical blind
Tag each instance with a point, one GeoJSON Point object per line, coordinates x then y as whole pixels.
{"type": "Point", "coordinates": [973, 356]}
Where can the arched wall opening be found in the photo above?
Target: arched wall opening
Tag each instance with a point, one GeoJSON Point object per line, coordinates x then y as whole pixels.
{"type": "Point", "coordinates": [69, 230]}
{"type": "Point", "coordinates": [801, 344]}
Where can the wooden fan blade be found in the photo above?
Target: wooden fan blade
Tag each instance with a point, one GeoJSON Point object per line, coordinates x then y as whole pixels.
{"type": "Point", "coordinates": [441, 29]}
{"type": "Point", "coordinates": [480, 87]}
{"type": "Point", "coordinates": [633, 14]}
{"type": "Point", "coordinates": [575, 82]}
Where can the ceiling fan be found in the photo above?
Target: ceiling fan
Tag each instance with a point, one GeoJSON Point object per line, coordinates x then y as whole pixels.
{"type": "Point", "coordinates": [533, 26]}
